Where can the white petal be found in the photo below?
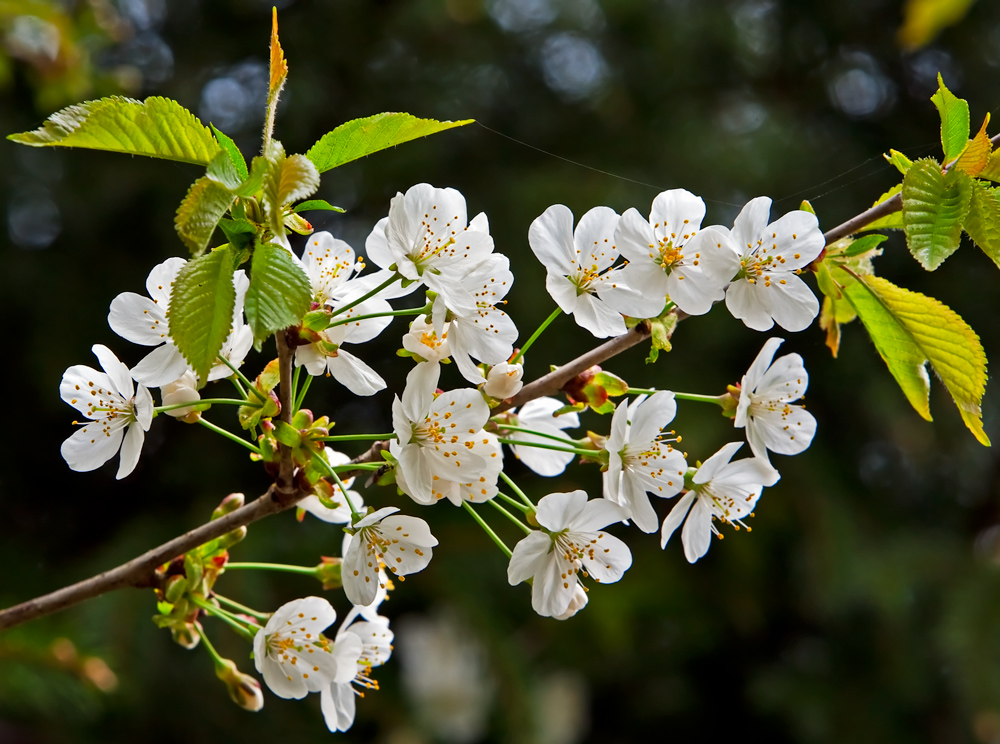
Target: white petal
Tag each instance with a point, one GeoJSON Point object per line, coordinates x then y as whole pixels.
{"type": "Point", "coordinates": [131, 446]}
{"type": "Point", "coordinates": [551, 239]}
{"type": "Point", "coordinates": [697, 532]}
{"type": "Point", "coordinates": [750, 223]}
{"type": "Point", "coordinates": [556, 510]}
{"type": "Point", "coordinates": [161, 366]}
{"type": "Point", "coordinates": [609, 560]}
{"type": "Point", "coordinates": [138, 319]}
{"type": "Point", "coordinates": [354, 374]}
{"type": "Point", "coordinates": [528, 557]}
{"type": "Point", "coordinates": [92, 446]}
{"type": "Point", "coordinates": [117, 371]}
{"type": "Point", "coordinates": [745, 301]}
{"type": "Point", "coordinates": [793, 304]}
{"type": "Point", "coordinates": [675, 517]}
{"type": "Point", "coordinates": [337, 703]}
{"type": "Point", "coordinates": [595, 239]}
{"type": "Point", "coordinates": [597, 317]}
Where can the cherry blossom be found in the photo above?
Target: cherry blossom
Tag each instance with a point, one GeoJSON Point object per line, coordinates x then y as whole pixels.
{"type": "Point", "coordinates": [722, 490]}
{"type": "Point", "coordinates": [578, 265]}
{"type": "Point", "coordinates": [640, 460]}
{"type": "Point", "coordinates": [571, 541]}
{"type": "Point", "coordinates": [667, 258]}
{"type": "Point", "coordinates": [291, 652]}
{"type": "Point", "coordinates": [359, 647]}
{"type": "Point", "coordinates": [765, 406]}
{"type": "Point", "coordinates": [119, 414]}
{"type": "Point", "coordinates": [403, 544]}
{"type": "Point", "coordinates": [766, 289]}
{"type": "Point", "coordinates": [503, 381]}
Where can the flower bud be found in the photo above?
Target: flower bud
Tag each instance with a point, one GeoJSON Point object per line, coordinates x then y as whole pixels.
{"type": "Point", "coordinates": [328, 571]}
{"type": "Point", "coordinates": [504, 381]}
{"type": "Point", "coordinates": [175, 588]}
{"type": "Point", "coordinates": [181, 390]}
{"type": "Point", "coordinates": [231, 503]}
{"type": "Point", "coordinates": [243, 689]}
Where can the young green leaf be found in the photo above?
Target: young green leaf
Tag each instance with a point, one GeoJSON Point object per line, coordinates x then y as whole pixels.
{"type": "Point", "coordinates": [157, 127]}
{"type": "Point", "coordinates": [909, 329]}
{"type": "Point", "coordinates": [983, 222]}
{"type": "Point", "coordinates": [317, 205]}
{"type": "Point", "coordinates": [201, 308]}
{"type": "Point", "coordinates": [899, 161]}
{"type": "Point", "coordinates": [287, 179]}
{"type": "Point", "coordinates": [890, 221]}
{"type": "Point", "coordinates": [934, 207]}
{"type": "Point", "coordinates": [954, 113]}
{"type": "Point", "coordinates": [235, 156]}
{"type": "Point", "coordinates": [222, 171]}
{"type": "Point", "coordinates": [362, 137]}
{"type": "Point", "coordinates": [279, 73]}
{"type": "Point", "coordinates": [863, 245]}
{"type": "Point", "coordinates": [279, 291]}
{"type": "Point", "coordinates": [206, 203]}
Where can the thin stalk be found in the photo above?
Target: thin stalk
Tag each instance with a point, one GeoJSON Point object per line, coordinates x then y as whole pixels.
{"type": "Point", "coordinates": [303, 570]}
{"type": "Point", "coordinates": [295, 385]}
{"type": "Point", "coordinates": [239, 388]}
{"type": "Point", "coordinates": [208, 645]}
{"type": "Point", "coordinates": [518, 491]}
{"type": "Point", "coordinates": [395, 313]}
{"type": "Point", "coordinates": [333, 474]}
{"type": "Point", "coordinates": [527, 530]}
{"type": "Point", "coordinates": [355, 437]}
{"type": "Point", "coordinates": [487, 529]}
{"type": "Point", "coordinates": [203, 401]}
{"type": "Point", "coordinates": [305, 389]}
{"type": "Point", "coordinates": [246, 381]}
{"type": "Point", "coordinates": [556, 437]}
{"type": "Point", "coordinates": [227, 617]}
{"type": "Point", "coordinates": [513, 502]}
{"type": "Point", "coordinates": [534, 336]}
{"type": "Point", "coordinates": [354, 303]}
{"type": "Point", "coordinates": [228, 435]}
{"type": "Point", "coordinates": [241, 607]}
{"type": "Point", "coordinates": [716, 399]}
{"type": "Point", "coordinates": [575, 450]}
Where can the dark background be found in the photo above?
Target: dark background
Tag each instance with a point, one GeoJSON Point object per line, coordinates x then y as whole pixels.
{"type": "Point", "coordinates": [865, 605]}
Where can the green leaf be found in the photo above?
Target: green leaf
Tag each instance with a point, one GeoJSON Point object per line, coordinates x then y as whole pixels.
{"type": "Point", "coordinates": [317, 205]}
{"type": "Point", "coordinates": [910, 329]}
{"type": "Point", "coordinates": [279, 291]}
{"type": "Point", "coordinates": [239, 232]}
{"type": "Point", "coordinates": [287, 179]}
{"type": "Point", "coordinates": [954, 113]}
{"type": "Point", "coordinates": [235, 156]}
{"type": "Point", "coordinates": [157, 127]}
{"type": "Point", "coordinates": [222, 171]}
{"type": "Point", "coordinates": [976, 153]}
{"type": "Point", "coordinates": [201, 308]}
{"type": "Point", "coordinates": [863, 245]}
{"type": "Point", "coordinates": [206, 203]}
{"type": "Point", "coordinates": [899, 161]}
{"type": "Point", "coordinates": [362, 137]}
{"type": "Point", "coordinates": [934, 207]}
{"type": "Point", "coordinates": [254, 182]}
{"type": "Point", "coordinates": [983, 221]}
{"type": "Point", "coordinates": [890, 221]}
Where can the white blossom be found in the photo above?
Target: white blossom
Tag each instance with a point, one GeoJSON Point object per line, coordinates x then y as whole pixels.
{"type": "Point", "coordinates": [359, 647]}
{"type": "Point", "coordinates": [119, 414]}
{"type": "Point", "coordinates": [723, 490]}
{"type": "Point", "coordinates": [181, 390]}
{"type": "Point", "coordinates": [578, 265]}
{"type": "Point", "coordinates": [538, 415]}
{"type": "Point", "coordinates": [572, 541]}
{"type": "Point", "coordinates": [767, 289]}
{"type": "Point", "coordinates": [503, 381]}
{"type": "Point", "coordinates": [402, 544]}
{"type": "Point", "coordinates": [765, 406]}
{"type": "Point", "coordinates": [667, 258]}
{"type": "Point", "coordinates": [641, 460]}
{"type": "Point", "coordinates": [291, 652]}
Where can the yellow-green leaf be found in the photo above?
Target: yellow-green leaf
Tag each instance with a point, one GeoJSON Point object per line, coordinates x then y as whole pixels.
{"type": "Point", "coordinates": [954, 113]}
{"type": "Point", "coordinates": [156, 127]}
{"type": "Point", "coordinates": [206, 203]}
{"type": "Point", "coordinates": [983, 222]}
{"type": "Point", "coordinates": [910, 329]}
{"type": "Point", "coordinates": [362, 137]}
{"type": "Point", "coordinates": [934, 207]}
{"type": "Point", "coordinates": [924, 19]}
{"type": "Point", "coordinates": [977, 151]}
{"type": "Point", "coordinates": [894, 220]}
{"type": "Point", "coordinates": [279, 73]}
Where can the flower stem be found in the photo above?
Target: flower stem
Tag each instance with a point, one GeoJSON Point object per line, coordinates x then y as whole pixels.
{"type": "Point", "coordinates": [246, 381]}
{"type": "Point", "coordinates": [511, 427]}
{"type": "Point", "coordinates": [575, 450]}
{"type": "Point", "coordinates": [208, 645]}
{"type": "Point", "coordinates": [240, 626]}
{"type": "Point", "coordinates": [518, 491]}
{"type": "Point", "coordinates": [717, 399]}
{"type": "Point", "coordinates": [344, 308]}
{"type": "Point", "coordinates": [394, 313]}
{"type": "Point", "coordinates": [511, 517]}
{"type": "Point", "coordinates": [333, 474]}
{"type": "Point", "coordinates": [228, 435]}
{"type": "Point", "coordinates": [303, 570]}
{"type": "Point", "coordinates": [305, 388]}
{"type": "Point", "coordinates": [240, 607]}
{"type": "Point", "coordinates": [355, 437]}
{"type": "Point", "coordinates": [295, 384]}
{"type": "Point", "coordinates": [487, 529]}
{"type": "Point", "coordinates": [513, 502]}
{"type": "Point", "coordinates": [534, 336]}
{"type": "Point", "coordinates": [201, 402]}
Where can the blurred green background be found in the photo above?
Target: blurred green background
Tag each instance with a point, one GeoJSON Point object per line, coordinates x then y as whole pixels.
{"type": "Point", "coordinates": [865, 605]}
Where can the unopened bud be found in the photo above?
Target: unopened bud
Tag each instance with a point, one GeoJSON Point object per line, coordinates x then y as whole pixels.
{"type": "Point", "coordinates": [504, 380]}
{"type": "Point", "coordinates": [231, 503]}
{"type": "Point", "coordinates": [185, 635]}
{"type": "Point", "coordinates": [231, 538]}
{"type": "Point", "coordinates": [329, 572]}
{"type": "Point", "coordinates": [243, 689]}
{"type": "Point", "coordinates": [175, 588]}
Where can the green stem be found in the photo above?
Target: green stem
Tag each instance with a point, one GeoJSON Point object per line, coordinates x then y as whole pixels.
{"type": "Point", "coordinates": [556, 437]}
{"type": "Point", "coordinates": [246, 381]}
{"type": "Point", "coordinates": [333, 474]}
{"type": "Point", "coordinates": [239, 388]}
{"type": "Point", "coordinates": [575, 450]}
{"type": "Point", "coordinates": [513, 502]}
{"type": "Point", "coordinates": [240, 607]}
{"type": "Point", "coordinates": [511, 517]}
{"type": "Point", "coordinates": [518, 491]}
{"type": "Point", "coordinates": [487, 529]}
{"type": "Point", "coordinates": [305, 389]}
{"type": "Point", "coordinates": [203, 401]}
{"type": "Point", "coordinates": [355, 437]}
{"type": "Point", "coordinates": [344, 308]}
{"type": "Point", "coordinates": [295, 385]}
{"type": "Point", "coordinates": [228, 435]}
{"type": "Point", "coordinates": [237, 624]}
{"type": "Point", "coordinates": [369, 316]}
{"type": "Point", "coordinates": [534, 336]}
{"type": "Point", "coordinates": [717, 399]}
{"type": "Point", "coordinates": [303, 570]}
{"type": "Point", "coordinates": [208, 645]}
